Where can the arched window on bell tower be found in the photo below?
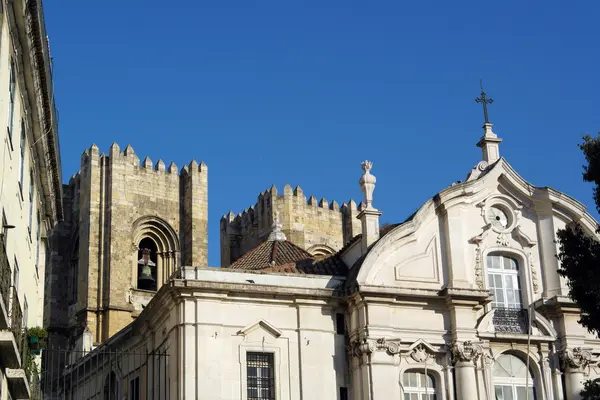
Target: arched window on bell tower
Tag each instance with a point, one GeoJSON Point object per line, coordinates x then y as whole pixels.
{"type": "Point", "coordinates": [147, 260]}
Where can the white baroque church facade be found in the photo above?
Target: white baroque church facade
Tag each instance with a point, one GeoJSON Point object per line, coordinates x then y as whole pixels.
{"type": "Point", "coordinates": [462, 301]}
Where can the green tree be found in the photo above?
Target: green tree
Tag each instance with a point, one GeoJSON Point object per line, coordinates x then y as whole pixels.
{"type": "Point", "coordinates": [579, 255]}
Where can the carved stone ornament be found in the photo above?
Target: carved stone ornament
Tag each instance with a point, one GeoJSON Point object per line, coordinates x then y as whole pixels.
{"type": "Point", "coordinates": [502, 239]}
{"type": "Point", "coordinates": [365, 346]}
{"type": "Point", "coordinates": [367, 183]}
{"type": "Point", "coordinates": [466, 351]}
{"type": "Point", "coordinates": [361, 347]}
{"type": "Point", "coordinates": [534, 274]}
{"type": "Point", "coordinates": [390, 347]}
{"type": "Point", "coordinates": [420, 354]}
{"type": "Point", "coordinates": [478, 267]}
{"type": "Point", "coordinates": [577, 358]}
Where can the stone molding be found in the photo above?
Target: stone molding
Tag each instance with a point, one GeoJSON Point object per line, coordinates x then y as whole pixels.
{"type": "Point", "coordinates": [419, 351]}
{"type": "Point", "coordinates": [576, 358]}
{"type": "Point", "coordinates": [467, 351]}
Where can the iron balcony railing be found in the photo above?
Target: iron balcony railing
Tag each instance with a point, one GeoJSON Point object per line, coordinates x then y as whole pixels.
{"type": "Point", "coordinates": [105, 373]}
{"type": "Point", "coordinates": [511, 320]}
{"type": "Point", "coordinates": [16, 319]}
{"type": "Point", "coordinates": [5, 275]}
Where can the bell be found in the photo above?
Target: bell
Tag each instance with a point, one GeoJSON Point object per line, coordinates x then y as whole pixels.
{"type": "Point", "coordinates": [145, 280]}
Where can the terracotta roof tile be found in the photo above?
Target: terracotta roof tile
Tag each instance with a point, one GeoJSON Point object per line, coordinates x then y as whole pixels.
{"type": "Point", "coordinates": [271, 253]}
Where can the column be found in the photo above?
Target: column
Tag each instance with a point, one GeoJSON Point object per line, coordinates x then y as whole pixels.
{"type": "Point", "coordinates": [465, 355]}
{"type": "Point", "coordinates": [575, 361]}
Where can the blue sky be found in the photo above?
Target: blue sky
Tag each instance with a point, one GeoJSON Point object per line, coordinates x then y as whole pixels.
{"type": "Point", "coordinates": [299, 92]}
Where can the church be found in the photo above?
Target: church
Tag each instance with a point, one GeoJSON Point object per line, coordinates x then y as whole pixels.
{"type": "Point", "coordinates": [314, 300]}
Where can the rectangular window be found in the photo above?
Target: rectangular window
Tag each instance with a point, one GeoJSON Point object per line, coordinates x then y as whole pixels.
{"type": "Point", "coordinates": [11, 99]}
{"type": "Point", "coordinates": [16, 275]}
{"type": "Point", "coordinates": [504, 282]}
{"type": "Point", "coordinates": [38, 236]}
{"type": "Point", "coordinates": [25, 311]}
{"type": "Point", "coordinates": [343, 393]}
{"type": "Point", "coordinates": [418, 386]}
{"type": "Point", "coordinates": [340, 324]}
{"type": "Point", "coordinates": [31, 190]}
{"type": "Point", "coordinates": [260, 376]}
{"type": "Point", "coordinates": [134, 389]}
{"type": "Point", "coordinates": [22, 157]}
{"type": "Point", "coordinates": [74, 280]}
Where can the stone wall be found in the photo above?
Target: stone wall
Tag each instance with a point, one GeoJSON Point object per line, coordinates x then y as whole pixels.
{"type": "Point", "coordinates": [316, 226]}
{"type": "Point", "coordinates": [116, 201]}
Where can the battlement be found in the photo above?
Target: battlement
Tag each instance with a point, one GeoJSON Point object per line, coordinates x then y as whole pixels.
{"type": "Point", "coordinates": [128, 157]}
{"type": "Point", "coordinates": [289, 194]}
{"type": "Point", "coordinates": [306, 222]}
{"type": "Point", "coordinates": [114, 203]}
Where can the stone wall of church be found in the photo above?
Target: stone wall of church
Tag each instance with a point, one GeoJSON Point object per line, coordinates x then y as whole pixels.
{"type": "Point", "coordinates": [315, 225]}
{"type": "Point", "coordinates": [116, 202]}
{"type": "Point", "coordinates": [208, 335]}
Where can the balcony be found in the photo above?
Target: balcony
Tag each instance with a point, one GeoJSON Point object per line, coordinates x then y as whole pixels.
{"type": "Point", "coordinates": [11, 341]}
{"type": "Point", "coordinates": [5, 277]}
{"type": "Point", "coordinates": [511, 320]}
{"type": "Point", "coordinates": [18, 386]}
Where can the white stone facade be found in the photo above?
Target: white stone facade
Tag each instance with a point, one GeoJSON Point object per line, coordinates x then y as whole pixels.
{"type": "Point", "coordinates": [30, 184]}
{"type": "Point", "coordinates": [456, 303]}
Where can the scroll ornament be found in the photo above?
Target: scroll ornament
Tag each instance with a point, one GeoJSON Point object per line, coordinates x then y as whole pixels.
{"type": "Point", "coordinates": [367, 346]}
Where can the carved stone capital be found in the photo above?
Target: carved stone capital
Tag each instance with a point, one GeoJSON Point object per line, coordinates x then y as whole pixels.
{"type": "Point", "coordinates": [576, 358]}
{"type": "Point", "coordinates": [391, 347]}
{"type": "Point", "coordinates": [361, 347]}
{"type": "Point", "coordinates": [367, 346]}
{"type": "Point", "coordinates": [467, 351]}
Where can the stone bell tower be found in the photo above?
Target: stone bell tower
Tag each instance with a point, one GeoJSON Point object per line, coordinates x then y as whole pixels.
{"type": "Point", "coordinates": [129, 226]}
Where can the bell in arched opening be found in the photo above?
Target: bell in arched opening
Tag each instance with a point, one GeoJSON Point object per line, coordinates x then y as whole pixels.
{"type": "Point", "coordinates": [147, 265]}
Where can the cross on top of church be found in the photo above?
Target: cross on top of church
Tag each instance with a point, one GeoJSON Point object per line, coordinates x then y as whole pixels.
{"type": "Point", "coordinates": [485, 101]}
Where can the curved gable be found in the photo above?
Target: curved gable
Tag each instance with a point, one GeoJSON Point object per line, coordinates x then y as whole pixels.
{"type": "Point", "coordinates": [448, 236]}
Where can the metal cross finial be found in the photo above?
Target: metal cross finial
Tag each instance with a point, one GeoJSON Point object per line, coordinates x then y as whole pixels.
{"type": "Point", "coordinates": [485, 101]}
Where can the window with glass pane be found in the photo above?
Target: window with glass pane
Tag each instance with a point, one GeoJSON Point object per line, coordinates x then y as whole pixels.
{"type": "Point", "coordinates": [22, 157]}
{"type": "Point", "coordinates": [504, 282]}
{"type": "Point", "coordinates": [11, 93]}
{"type": "Point", "coordinates": [418, 386]}
{"type": "Point", "coordinates": [31, 189]}
{"type": "Point", "coordinates": [512, 381]}
{"type": "Point", "coordinates": [260, 376]}
{"type": "Point", "coordinates": [38, 238]}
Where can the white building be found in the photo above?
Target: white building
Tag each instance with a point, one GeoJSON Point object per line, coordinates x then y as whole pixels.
{"type": "Point", "coordinates": [462, 301]}
{"type": "Point", "coordinates": [30, 184]}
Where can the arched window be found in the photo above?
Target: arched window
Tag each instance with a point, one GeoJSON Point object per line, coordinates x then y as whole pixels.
{"type": "Point", "coordinates": [512, 381]}
{"type": "Point", "coordinates": [418, 386]}
{"type": "Point", "coordinates": [111, 391]}
{"type": "Point", "coordinates": [147, 258]}
{"type": "Point", "coordinates": [504, 282]}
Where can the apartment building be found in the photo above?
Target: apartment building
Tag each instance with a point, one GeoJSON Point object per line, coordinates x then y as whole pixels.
{"type": "Point", "coordinates": [30, 188]}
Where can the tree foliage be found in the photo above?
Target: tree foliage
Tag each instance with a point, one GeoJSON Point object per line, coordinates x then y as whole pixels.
{"type": "Point", "coordinates": [579, 255]}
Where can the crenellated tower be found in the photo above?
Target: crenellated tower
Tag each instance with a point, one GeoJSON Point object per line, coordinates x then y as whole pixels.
{"type": "Point", "coordinates": [317, 226]}
{"type": "Point", "coordinates": [129, 226]}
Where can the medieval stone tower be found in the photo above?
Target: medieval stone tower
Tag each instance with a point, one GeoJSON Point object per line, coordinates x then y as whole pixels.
{"type": "Point", "coordinates": [319, 227]}
{"type": "Point", "coordinates": [128, 226]}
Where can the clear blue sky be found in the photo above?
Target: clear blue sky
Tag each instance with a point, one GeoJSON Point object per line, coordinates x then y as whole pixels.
{"type": "Point", "coordinates": [299, 92]}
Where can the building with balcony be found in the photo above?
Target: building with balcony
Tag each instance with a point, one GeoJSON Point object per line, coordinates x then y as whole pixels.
{"type": "Point", "coordinates": [30, 187]}
{"type": "Point", "coordinates": [461, 301]}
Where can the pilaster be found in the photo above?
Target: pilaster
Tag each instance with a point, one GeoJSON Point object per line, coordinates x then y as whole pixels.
{"type": "Point", "coordinates": [575, 363]}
